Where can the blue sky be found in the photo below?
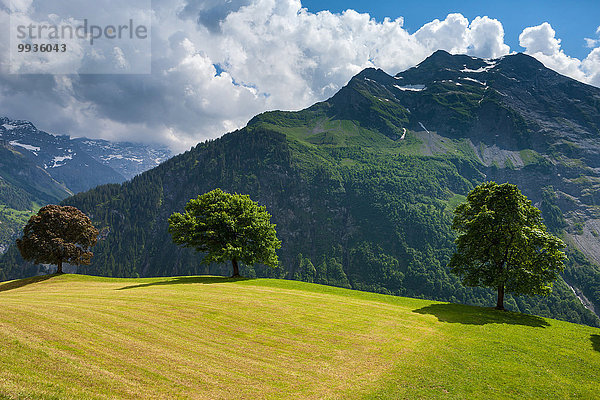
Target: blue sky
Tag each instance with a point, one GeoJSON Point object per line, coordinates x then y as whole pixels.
{"type": "Point", "coordinates": [572, 20]}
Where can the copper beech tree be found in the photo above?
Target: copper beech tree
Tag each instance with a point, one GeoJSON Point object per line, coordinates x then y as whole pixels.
{"type": "Point", "coordinates": [57, 235]}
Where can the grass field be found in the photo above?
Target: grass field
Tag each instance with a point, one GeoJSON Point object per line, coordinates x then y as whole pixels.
{"type": "Point", "coordinates": [81, 337]}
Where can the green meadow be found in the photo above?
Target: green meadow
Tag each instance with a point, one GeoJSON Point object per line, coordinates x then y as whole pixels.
{"type": "Point", "coordinates": [82, 337]}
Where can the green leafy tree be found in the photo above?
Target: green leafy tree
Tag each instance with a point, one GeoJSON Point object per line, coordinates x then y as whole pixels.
{"type": "Point", "coordinates": [58, 234]}
{"type": "Point", "coordinates": [227, 227]}
{"type": "Point", "coordinates": [504, 244]}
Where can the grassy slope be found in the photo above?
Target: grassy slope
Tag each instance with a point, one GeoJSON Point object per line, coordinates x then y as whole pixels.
{"type": "Point", "coordinates": [13, 221]}
{"type": "Point", "coordinates": [76, 336]}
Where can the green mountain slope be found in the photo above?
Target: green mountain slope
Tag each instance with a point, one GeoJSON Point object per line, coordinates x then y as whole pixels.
{"type": "Point", "coordinates": [80, 337]}
{"type": "Point", "coordinates": [362, 186]}
{"type": "Point", "coordinates": [28, 182]}
{"type": "Point", "coordinates": [23, 185]}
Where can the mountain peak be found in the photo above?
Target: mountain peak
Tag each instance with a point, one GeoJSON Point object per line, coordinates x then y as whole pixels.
{"type": "Point", "coordinates": [523, 65]}
{"type": "Point", "coordinates": [439, 55]}
{"type": "Point", "coordinates": [441, 59]}
{"type": "Point", "coordinates": [372, 73]}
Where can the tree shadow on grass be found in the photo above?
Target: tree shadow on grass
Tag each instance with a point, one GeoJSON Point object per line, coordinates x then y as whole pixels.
{"type": "Point", "coordinates": [188, 280]}
{"type": "Point", "coordinates": [24, 282]}
{"type": "Point", "coordinates": [471, 315]}
{"type": "Point", "coordinates": [595, 342]}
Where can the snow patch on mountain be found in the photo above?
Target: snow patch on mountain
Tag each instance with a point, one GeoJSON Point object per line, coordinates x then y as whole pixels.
{"type": "Point", "coordinates": [121, 157]}
{"type": "Point", "coordinates": [479, 70]}
{"type": "Point", "coordinates": [473, 80]}
{"type": "Point", "coordinates": [57, 160]}
{"type": "Point", "coordinates": [411, 88]}
{"type": "Point", "coordinates": [129, 159]}
{"type": "Point", "coordinates": [25, 146]}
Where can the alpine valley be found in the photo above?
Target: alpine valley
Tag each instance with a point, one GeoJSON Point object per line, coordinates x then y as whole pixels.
{"type": "Point", "coordinates": [37, 168]}
{"type": "Point", "coordinates": [362, 186]}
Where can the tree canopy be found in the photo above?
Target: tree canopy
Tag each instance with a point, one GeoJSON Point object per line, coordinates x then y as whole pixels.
{"type": "Point", "coordinates": [227, 227]}
{"type": "Point", "coordinates": [58, 234]}
{"type": "Point", "coordinates": [504, 244]}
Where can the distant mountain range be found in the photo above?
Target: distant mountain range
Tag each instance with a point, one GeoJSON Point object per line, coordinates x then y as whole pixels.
{"type": "Point", "coordinates": [362, 186]}
{"type": "Point", "coordinates": [37, 168]}
{"type": "Point", "coordinates": [60, 155]}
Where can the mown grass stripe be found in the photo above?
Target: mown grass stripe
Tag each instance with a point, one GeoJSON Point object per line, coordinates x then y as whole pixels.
{"type": "Point", "coordinates": [82, 337]}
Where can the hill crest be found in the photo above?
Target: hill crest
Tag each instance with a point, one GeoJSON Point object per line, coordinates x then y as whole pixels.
{"type": "Point", "coordinates": [362, 185]}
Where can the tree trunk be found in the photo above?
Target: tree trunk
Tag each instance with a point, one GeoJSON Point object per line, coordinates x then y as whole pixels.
{"type": "Point", "coordinates": [236, 270]}
{"type": "Point", "coordinates": [59, 269]}
{"type": "Point", "coordinates": [500, 303]}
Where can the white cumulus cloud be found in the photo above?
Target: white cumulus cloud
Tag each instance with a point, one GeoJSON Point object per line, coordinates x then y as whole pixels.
{"type": "Point", "coordinates": [540, 39]}
{"type": "Point", "coordinates": [592, 43]}
{"type": "Point", "coordinates": [541, 42]}
{"type": "Point", "coordinates": [216, 64]}
{"type": "Point", "coordinates": [591, 67]}
{"type": "Point", "coordinates": [483, 37]}
{"type": "Point", "coordinates": [486, 38]}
